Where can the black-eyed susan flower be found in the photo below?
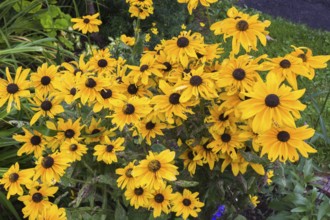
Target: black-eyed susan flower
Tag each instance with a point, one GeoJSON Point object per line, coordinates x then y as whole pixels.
{"type": "Point", "coordinates": [161, 201]}
{"type": "Point", "coordinates": [271, 102]}
{"type": "Point", "coordinates": [129, 41]}
{"type": "Point", "coordinates": [66, 130]}
{"type": "Point", "coordinates": [169, 65]}
{"type": "Point", "coordinates": [310, 61]}
{"type": "Point", "coordinates": [73, 149]}
{"type": "Point", "coordinates": [197, 84]}
{"type": "Point", "coordinates": [102, 63]}
{"type": "Point", "coordinates": [45, 106]}
{"type": "Point", "coordinates": [138, 196]}
{"type": "Point", "coordinates": [89, 88]}
{"type": "Point", "coordinates": [254, 200]}
{"type": "Point", "coordinates": [50, 168]}
{"type": "Point", "coordinates": [53, 212]}
{"type": "Point", "coordinates": [244, 29]}
{"type": "Point", "coordinates": [287, 68]}
{"type": "Point", "coordinates": [130, 112]}
{"type": "Point", "coordinates": [156, 168]}
{"type": "Point", "coordinates": [150, 129]}
{"type": "Point", "coordinates": [212, 52]}
{"type": "Point", "coordinates": [147, 67]}
{"type": "Point", "coordinates": [106, 150]}
{"type": "Point", "coordinates": [191, 159]}
{"type": "Point", "coordinates": [14, 178]}
{"type": "Point", "coordinates": [44, 79]}
{"type": "Point", "coordinates": [74, 68]}
{"type": "Point", "coordinates": [206, 153]}
{"type": "Point", "coordinates": [130, 88]}
{"type": "Point", "coordinates": [141, 12]}
{"type": "Point", "coordinates": [170, 103]}
{"type": "Point", "coordinates": [37, 200]}
{"type": "Point", "coordinates": [87, 24]}
{"type": "Point", "coordinates": [221, 119]}
{"type": "Point", "coordinates": [192, 4]}
{"type": "Point", "coordinates": [33, 142]}
{"type": "Point", "coordinates": [184, 47]}
{"type": "Point", "coordinates": [95, 132]}
{"type": "Point", "coordinates": [238, 74]}
{"type": "Point", "coordinates": [284, 143]}
{"type": "Point", "coordinates": [66, 88]}
{"type": "Point", "coordinates": [126, 178]}
{"type": "Point", "coordinates": [229, 103]}
{"type": "Point", "coordinates": [186, 204]}
{"type": "Point", "coordinates": [227, 142]}
{"type": "Point", "coordinates": [13, 90]}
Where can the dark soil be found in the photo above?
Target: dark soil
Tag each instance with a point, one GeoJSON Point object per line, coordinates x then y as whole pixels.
{"type": "Point", "coordinates": [313, 13]}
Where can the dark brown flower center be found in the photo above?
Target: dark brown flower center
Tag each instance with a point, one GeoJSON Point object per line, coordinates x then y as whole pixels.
{"type": "Point", "coordinates": [154, 166]}
{"type": "Point", "coordinates": [186, 70]}
{"type": "Point", "coordinates": [109, 148]}
{"type": "Point", "coordinates": [144, 68]}
{"type": "Point", "coordinates": [73, 147]}
{"type": "Point", "coordinates": [45, 80]}
{"type": "Point", "coordinates": [272, 100]}
{"type": "Point", "coordinates": [159, 198]}
{"type": "Point", "coordinates": [47, 162]}
{"type": "Point", "coordinates": [119, 79]}
{"type": "Point", "coordinates": [182, 42]}
{"type": "Point", "coordinates": [303, 57]}
{"type": "Point", "coordinates": [242, 25]}
{"type": "Point", "coordinates": [285, 64]}
{"type": "Point", "coordinates": [95, 131]}
{"type": "Point", "coordinates": [128, 172]}
{"type": "Point", "coordinates": [174, 98]}
{"type": "Point", "coordinates": [77, 70]}
{"type": "Point", "coordinates": [186, 202]}
{"type": "Point", "coordinates": [12, 88]}
{"type": "Point", "coordinates": [191, 155]}
{"type": "Point", "coordinates": [69, 133]}
{"type": "Point", "coordinates": [106, 93]}
{"type": "Point", "coordinates": [138, 191]}
{"type": "Point", "coordinates": [168, 66]}
{"type": "Point", "coordinates": [150, 125]}
{"type": "Point", "coordinates": [86, 20]}
{"type": "Point", "coordinates": [102, 63]}
{"type": "Point", "coordinates": [46, 105]}
{"type": "Point", "coordinates": [13, 177]}
{"type": "Point", "coordinates": [90, 83]}
{"type": "Point", "coordinates": [223, 118]}
{"type": "Point", "coordinates": [132, 89]}
{"type": "Point", "coordinates": [239, 74]}
{"type": "Point", "coordinates": [129, 109]}
{"type": "Point", "coordinates": [73, 91]}
{"type": "Point", "coordinates": [37, 197]}
{"type": "Point", "coordinates": [35, 140]}
{"type": "Point", "coordinates": [225, 137]}
{"type": "Point", "coordinates": [196, 80]}
{"type": "Point", "coordinates": [283, 136]}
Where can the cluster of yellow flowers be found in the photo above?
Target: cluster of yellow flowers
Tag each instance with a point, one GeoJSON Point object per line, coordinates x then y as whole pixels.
{"type": "Point", "coordinates": [180, 77]}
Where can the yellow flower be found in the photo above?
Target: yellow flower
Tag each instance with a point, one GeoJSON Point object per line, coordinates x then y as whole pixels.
{"type": "Point", "coordinates": [147, 37]}
{"type": "Point", "coordinates": [191, 159]}
{"type": "Point", "coordinates": [129, 41]}
{"type": "Point", "coordinates": [254, 200]}
{"type": "Point", "coordinates": [97, 132]}
{"type": "Point", "coordinates": [183, 27]}
{"type": "Point", "coordinates": [51, 167]}
{"type": "Point", "coordinates": [102, 63]}
{"type": "Point", "coordinates": [106, 151]}
{"type": "Point", "coordinates": [126, 179]}
{"type": "Point", "coordinates": [186, 204]}
{"type": "Point", "coordinates": [87, 24]}
{"type": "Point", "coordinates": [53, 213]}
{"type": "Point", "coordinates": [66, 88]}
{"type": "Point", "coordinates": [141, 12]}
{"type": "Point", "coordinates": [13, 90]}
{"type": "Point", "coordinates": [271, 103]}
{"type": "Point", "coordinates": [269, 175]}
{"type": "Point", "coordinates": [161, 200]}
{"type": "Point", "coordinates": [14, 178]}
{"type": "Point", "coordinates": [73, 149]}
{"type": "Point", "coordinates": [37, 201]}
{"type": "Point", "coordinates": [192, 4]}
{"type": "Point", "coordinates": [45, 106]}
{"type": "Point", "coordinates": [89, 88]}
{"type": "Point", "coordinates": [44, 79]}
{"type": "Point", "coordinates": [154, 31]}
{"type": "Point", "coordinates": [74, 68]}
{"type": "Point", "coordinates": [156, 168]}
{"type": "Point", "coordinates": [283, 143]}
{"type": "Point", "coordinates": [206, 153]}
{"type": "Point", "coordinates": [139, 196]}
{"type": "Point", "coordinates": [201, 24]}
{"type": "Point", "coordinates": [150, 129]}
{"type": "Point", "coordinates": [244, 29]}
{"type": "Point", "coordinates": [34, 142]}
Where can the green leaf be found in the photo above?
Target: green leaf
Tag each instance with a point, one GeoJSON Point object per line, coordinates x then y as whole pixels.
{"type": "Point", "coordinates": [25, 4]}
{"type": "Point", "coordinates": [240, 217]}
{"type": "Point", "coordinates": [323, 209]}
{"type": "Point", "coordinates": [299, 209]}
{"type": "Point", "coordinates": [186, 184]}
{"type": "Point", "coordinates": [46, 21]}
{"type": "Point", "coordinates": [158, 148]}
{"type": "Point", "coordinates": [7, 204]}
{"type": "Point", "coordinates": [61, 23]}
{"type": "Point", "coordinates": [120, 212]}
